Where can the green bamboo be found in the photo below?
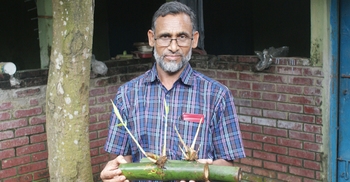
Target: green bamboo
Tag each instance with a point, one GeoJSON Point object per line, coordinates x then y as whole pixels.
{"type": "Point", "coordinates": [180, 170]}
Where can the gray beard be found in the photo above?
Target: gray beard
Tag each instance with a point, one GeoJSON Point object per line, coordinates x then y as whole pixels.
{"type": "Point", "coordinates": [172, 66]}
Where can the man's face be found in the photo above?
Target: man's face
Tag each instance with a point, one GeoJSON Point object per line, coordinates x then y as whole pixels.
{"type": "Point", "coordinates": [172, 57]}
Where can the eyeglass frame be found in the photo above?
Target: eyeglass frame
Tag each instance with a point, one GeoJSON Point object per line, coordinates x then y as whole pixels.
{"type": "Point", "coordinates": [177, 42]}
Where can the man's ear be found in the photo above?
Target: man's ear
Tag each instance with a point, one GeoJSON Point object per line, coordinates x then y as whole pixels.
{"type": "Point", "coordinates": [195, 39]}
{"type": "Point", "coordinates": [150, 38]}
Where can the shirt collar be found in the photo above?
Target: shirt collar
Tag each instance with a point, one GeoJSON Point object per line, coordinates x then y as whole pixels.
{"type": "Point", "coordinates": [186, 76]}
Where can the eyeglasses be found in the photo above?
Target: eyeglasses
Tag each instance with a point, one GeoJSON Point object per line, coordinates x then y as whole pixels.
{"type": "Point", "coordinates": [182, 41]}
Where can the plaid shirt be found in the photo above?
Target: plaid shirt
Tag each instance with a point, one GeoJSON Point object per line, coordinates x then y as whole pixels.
{"type": "Point", "coordinates": [141, 104]}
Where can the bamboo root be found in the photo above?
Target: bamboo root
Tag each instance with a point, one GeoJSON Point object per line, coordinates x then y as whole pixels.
{"type": "Point", "coordinates": [180, 170]}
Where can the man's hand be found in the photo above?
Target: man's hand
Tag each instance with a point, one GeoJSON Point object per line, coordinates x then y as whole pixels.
{"type": "Point", "coordinates": [111, 172]}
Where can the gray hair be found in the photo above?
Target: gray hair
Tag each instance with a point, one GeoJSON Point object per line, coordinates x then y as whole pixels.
{"type": "Point", "coordinates": [174, 8]}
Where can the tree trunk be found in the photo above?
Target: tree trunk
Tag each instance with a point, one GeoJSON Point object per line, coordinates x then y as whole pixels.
{"type": "Point", "coordinates": [67, 95]}
{"type": "Point", "coordinates": [180, 170]}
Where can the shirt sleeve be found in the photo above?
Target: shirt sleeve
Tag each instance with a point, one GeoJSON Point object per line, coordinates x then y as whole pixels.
{"type": "Point", "coordinates": [227, 137]}
{"type": "Point", "coordinates": [118, 138]}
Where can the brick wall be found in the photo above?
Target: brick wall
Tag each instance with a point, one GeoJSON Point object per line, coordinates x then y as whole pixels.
{"type": "Point", "coordinates": [279, 113]}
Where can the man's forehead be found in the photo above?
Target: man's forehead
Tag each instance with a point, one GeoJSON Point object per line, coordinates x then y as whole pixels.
{"type": "Point", "coordinates": [173, 24]}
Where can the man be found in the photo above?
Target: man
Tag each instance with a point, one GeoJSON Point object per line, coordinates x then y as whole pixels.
{"type": "Point", "coordinates": [173, 82]}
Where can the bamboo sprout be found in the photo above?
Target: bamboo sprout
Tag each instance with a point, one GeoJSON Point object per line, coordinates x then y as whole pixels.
{"type": "Point", "coordinates": [133, 138]}
{"type": "Point", "coordinates": [180, 170]}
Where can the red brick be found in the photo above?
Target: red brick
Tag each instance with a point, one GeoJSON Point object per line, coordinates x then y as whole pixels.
{"type": "Point", "coordinates": [264, 138]}
{"type": "Point", "coordinates": [28, 92]}
{"type": "Point", "coordinates": [29, 130]}
{"type": "Point", "coordinates": [275, 149]}
{"type": "Point", "coordinates": [6, 106]}
{"type": "Point", "coordinates": [289, 160]}
{"type": "Point", "coordinates": [288, 177]}
{"type": "Point", "coordinates": [312, 146]}
{"type": "Point", "coordinates": [244, 119]}
{"type": "Point", "coordinates": [98, 126]}
{"type": "Point", "coordinates": [246, 135]}
{"type": "Point", "coordinates": [289, 125]}
{"type": "Point", "coordinates": [264, 121]}
{"type": "Point", "coordinates": [40, 156]}
{"type": "Point", "coordinates": [7, 173]}
{"type": "Point", "coordinates": [97, 109]}
{"type": "Point", "coordinates": [301, 135]}
{"type": "Point", "coordinates": [99, 159]}
{"type": "Point", "coordinates": [97, 91]}
{"type": "Point", "coordinates": [302, 154]}
{"type": "Point", "coordinates": [302, 172]}
{"type": "Point", "coordinates": [251, 128]}
{"type": "Point", "coordinates": [37, 120]}
{"type": "Point", "coordinates": [102, 82]}
{"type": "Point", "coordinates": [251, 162]}
{"type": "Point", "coordinates": [312, 110]}
{"type": "Point", "coordinates": [251, 77]}
{"type": "Point", "coordinates": [301, 99]}
{"type": "Point", "coordinates": [33, 102]}
{"type": "Point", "coordinates": [275, 114]}
{"type": "Point", "coordinates": [13, 124]}
{"type": "Point", "coordinates": [93, 119]}
{"type": "Point", "coordinates": [250, 111]}
{"type": "Point", "coordinates": [289, 143]}
{"type": "Point", "coordinates": [105, 99]}
{"type": "Point", "coordinates": [240, 85]}
{"type": "Point", "coordinates": [104, 117]}
{"type": "Point", "coordinates": [264, 87]}
{"type": "Point", "coordinates": [15, 161]}
{"type": "Point", "coordinates": [32, 167]}
{"type": "Point", "coordinates": [312, 91]}
{"type": "Point", "coordinates": [318, 101]}
{"type": "Point", "coordinates": [264, 104]}
{"type": "Point", "coordinates": [97, 143]}
{"type": "Point", "coordinates": [28, 112]}
{"type": "Point", "coordinates": [302, 118]}
{"type": "Point", "coordinates": [247, 59]}
{"type": "Point", "coordinates": [289, 70]}
{"type": "Point", "coordinates": [274, 97]}
{"type": "Point", "coordinates": [275, 166]}
{"type": "Point", "coordinates": [301, 81]}
{"type": "Point", "coordinates": [245, 168]}
{"type": "Point", "coordinates": [318, 82]}
{"type": "Point", "coordinates": [23, 178]}
{"type": "Point", "coordinates": [313, 72]}
{"type": "Point", "coordinates": [290, 107]}
{"type": "Point", "coordinates": [318, 120]}
{"type": "Point", "coordinates": [94, 152]}
{"type": "Point", "coordinates": [312, 128]}
{"type": "Point", "coordinates": [249, 94]}
{"type": "Point", "coordinates": [275, 131]}
{"type": "Point", "coordinates": [38, 138]}
{"type": "Point", "coordinates": [93, 135]}
{"type": "Point", "coordinates": [6, 135]}
{"type": "Point", "coordinates": [7, 153]}
{"type": "Point", "coordinates": [95, 169]}
{"type": "Point", "coordinates": [103, 133]}
{"type": "Point", "coordinates": [264, 155]}
{"type": "Point", "coordinates": [312, 165]}
{"type": "Point", "coordinates": [226, 75]}
{"type": "Point", "coordinates": [5, 116]}
{"type": "Point", "coordinates": [13, 143]}
{"type": "Point", "coordinates": [248, 152]}
{"type": "Point", "coordinates": [289, 89]}
{"type": "Point", "coordinates": [112, 89]}
{"type": "Point", "coordinates": [319, 139]}
{"type": "Point", "coordinates": [264, 172]}
{"type": "Point", "coordinates": [275, 79]}
{"type": "Point", "coordinates": [41, 174]}
{"type": "Point", "coordinates": [92, 102]}
{"type": "Point", "coordinates": [243, 102]}
{"type": "Point", "coordinates": [28, 149]}
{"type": "Point", "coordinates": [252, 145]}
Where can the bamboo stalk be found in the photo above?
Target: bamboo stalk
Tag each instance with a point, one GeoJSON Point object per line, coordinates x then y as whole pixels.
{"type": "Point", "coordinates": [180, 170]}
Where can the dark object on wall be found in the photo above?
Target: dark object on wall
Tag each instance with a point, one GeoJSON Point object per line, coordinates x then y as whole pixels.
{"type": "Point", "coordinates": [267, 55]}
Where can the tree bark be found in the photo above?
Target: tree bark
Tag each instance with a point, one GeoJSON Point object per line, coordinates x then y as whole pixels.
{"type": "Point", "coordinates": [180, 170]}
{"type": "Point", "coordinates": [67, 95]}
